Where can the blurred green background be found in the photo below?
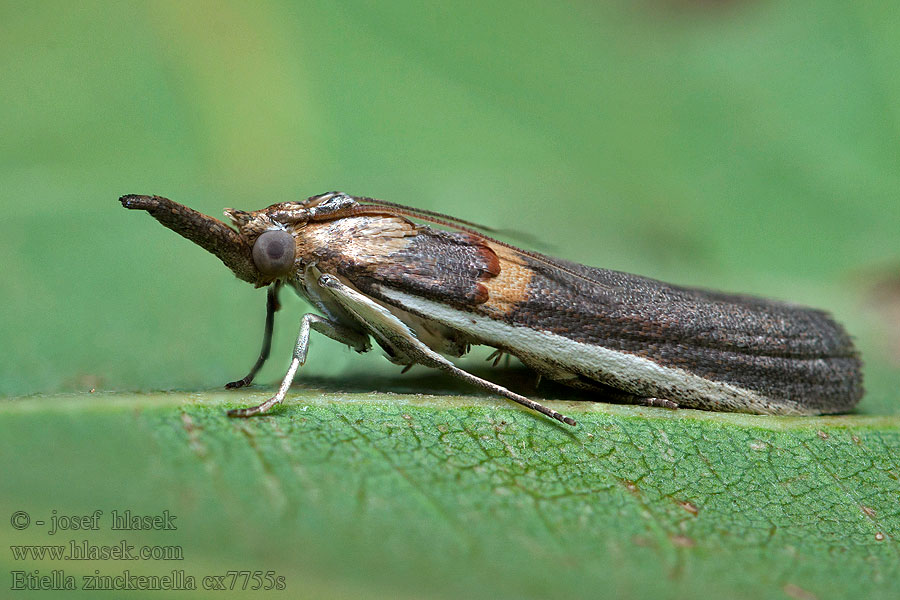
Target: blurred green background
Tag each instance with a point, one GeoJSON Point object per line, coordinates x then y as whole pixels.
{"type": "Point", "coordinates": [750, 146]}
{"type": "Point", "coordinates": [746, 146]}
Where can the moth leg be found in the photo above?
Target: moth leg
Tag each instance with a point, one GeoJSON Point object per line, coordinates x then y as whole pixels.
{"type": "Point", "coordinates": [336, 331]}
{"type": "Point", "coordinates": [615, 395]}
{"type": "Point", "coordinates": [658, 402]}
{"type": "Point", "coordinates": [621, 397]}
{"type": "Point", "coordinates": [484, 384]}
{"type": "Point", "coordinates": [272, 306]}
{"type": "Point", "coordinates": [496, 356]}
{"type": "Point", "coordinates": [391, 331]}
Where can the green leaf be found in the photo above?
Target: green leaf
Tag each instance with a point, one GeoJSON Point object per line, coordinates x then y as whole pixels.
{"type": "Point", "coordinates": [390, 495]}
{"type": "Point", "coordinates": [743, 146]}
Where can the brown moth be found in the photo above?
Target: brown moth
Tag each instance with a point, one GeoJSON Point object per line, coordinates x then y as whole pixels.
{"type": "Point", "coordinates": [374, 273]}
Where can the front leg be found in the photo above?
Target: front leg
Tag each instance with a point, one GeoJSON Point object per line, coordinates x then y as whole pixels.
{"type": "Point", "coordinates": [272, 306]}
{"type": "Point", "coordinates": [336, 331]}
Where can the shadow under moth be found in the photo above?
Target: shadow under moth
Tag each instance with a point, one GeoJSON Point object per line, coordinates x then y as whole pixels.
{"type": "Point", "coordinates": [377, 271]}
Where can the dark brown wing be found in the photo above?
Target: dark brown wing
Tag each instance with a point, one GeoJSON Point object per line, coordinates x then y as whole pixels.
{"type": "Point", "coordinates": [777, 349]}
{"type": "Point", "coordinates": [449, 267]}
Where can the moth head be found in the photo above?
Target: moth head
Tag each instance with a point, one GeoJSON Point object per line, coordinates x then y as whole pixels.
{"type": "Point", "coordinates": [270, 233]}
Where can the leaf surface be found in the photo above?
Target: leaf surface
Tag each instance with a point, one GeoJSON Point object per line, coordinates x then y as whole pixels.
{"type": "Point", "coordinates": [448, 496]}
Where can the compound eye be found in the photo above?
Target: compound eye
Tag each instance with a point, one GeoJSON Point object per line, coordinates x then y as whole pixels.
{"type": "Point", "coordinates": [273, 252]}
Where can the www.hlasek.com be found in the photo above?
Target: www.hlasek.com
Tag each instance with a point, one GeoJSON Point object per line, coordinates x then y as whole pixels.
{"type": "Point", "coordinates": [84, 550]}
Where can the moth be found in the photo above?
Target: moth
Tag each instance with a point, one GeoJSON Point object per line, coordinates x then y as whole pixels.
{"type": "Point", "coordinates": [382, 271]}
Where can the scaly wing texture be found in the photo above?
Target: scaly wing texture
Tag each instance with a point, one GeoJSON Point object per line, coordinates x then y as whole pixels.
{"type": "Point", "coordinates": [781, 351]}
{"type": "Point", "coordinates": [777, 349]}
